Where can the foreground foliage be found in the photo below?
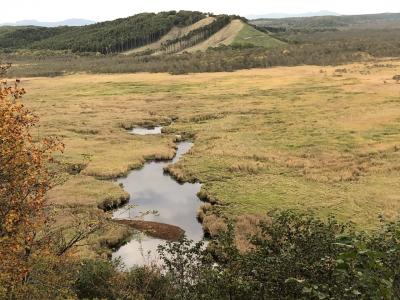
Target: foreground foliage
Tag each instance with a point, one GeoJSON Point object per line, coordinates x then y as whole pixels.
{"type": "Point", "coordinates": [295, 256]}
{"type": "Point", "coordinates": [34, 255]}
{"type": "Point", "coordinates": [24, 180]}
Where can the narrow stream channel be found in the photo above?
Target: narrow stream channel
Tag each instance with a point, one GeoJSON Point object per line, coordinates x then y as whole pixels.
{"type": "Point", "coordinates": [151, 189]}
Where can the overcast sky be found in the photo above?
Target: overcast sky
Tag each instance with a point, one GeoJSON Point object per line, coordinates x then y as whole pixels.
{"type": "Point", "coordinates": [98, 10]}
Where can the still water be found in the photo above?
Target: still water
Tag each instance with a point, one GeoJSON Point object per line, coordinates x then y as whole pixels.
{"type": "Point", "coordinates": [176, 204]}
{"type": "Point", "coordinates": [146, 131]}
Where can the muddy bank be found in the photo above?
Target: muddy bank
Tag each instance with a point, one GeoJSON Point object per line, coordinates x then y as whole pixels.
{"type": "Point", "coordinates": [154, 229]}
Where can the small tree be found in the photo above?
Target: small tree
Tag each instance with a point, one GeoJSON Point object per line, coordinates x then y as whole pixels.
{"type": "Point", "coordinates": [24, 180]}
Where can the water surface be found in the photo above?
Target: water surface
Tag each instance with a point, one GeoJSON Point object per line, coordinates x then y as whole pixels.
{"type": "Point", "coordinates": [146, 131]}
{"type": "Point", "coordinates": [151, 189]}
{"type": "Point", "coordinates": [142, 250]}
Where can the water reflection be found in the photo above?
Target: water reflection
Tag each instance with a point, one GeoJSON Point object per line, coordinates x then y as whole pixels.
{"type": "Point", "coordinates": [142, 250]}
{"type": "Point", "coordinates": [151, 189]}
{"type": "Point", "coordinates": [146, 131]}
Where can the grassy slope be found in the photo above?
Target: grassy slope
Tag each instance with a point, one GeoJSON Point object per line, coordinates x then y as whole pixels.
{"type": "Point", "coordinates": [237, 32]}
{"type": "Point", "coordinates": [264, 139]}
{"type": "Point", "coordinates": [250, 35]}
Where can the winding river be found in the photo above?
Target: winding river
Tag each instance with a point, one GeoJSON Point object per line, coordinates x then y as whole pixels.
{"type": "Point", "coordinates": [151, 189]}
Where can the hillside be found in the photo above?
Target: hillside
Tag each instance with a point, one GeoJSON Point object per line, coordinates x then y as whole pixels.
{"type": "Point", "coordinates": [146, 33]}
{"type": "Point", "coordinates": [25, 36]}
{"type": "Point", "coordinates": [251, 36]}
{"type": "Point", "coordinates": [367, 36]}
{"type": "Point", "coordinates": [174, 33]}
{"type": "Point", "coordinates": [105, 37]}
{"type": "Point", "coordinates": [306, 41]}
{"type": "Point", "coordinates": [238, 33]}
{"type": "Point", "coordinates": [225, 37]}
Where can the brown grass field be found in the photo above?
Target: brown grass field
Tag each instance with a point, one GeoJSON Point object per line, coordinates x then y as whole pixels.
{"type": "Point", "coordinates": [325, 139]}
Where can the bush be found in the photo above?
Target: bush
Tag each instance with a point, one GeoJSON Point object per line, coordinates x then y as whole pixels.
{"type": "Point", "coordinates": [95, 279]}
{"type": "Point", "coordinates": [148, 282]}
{"type": "Point", "coordinates": [294, 256]}
{"type": "Point", "coordinates": [99, 279]}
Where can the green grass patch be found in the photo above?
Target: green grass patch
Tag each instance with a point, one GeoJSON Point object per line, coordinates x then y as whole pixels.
{"type": "Point", "coordinates": [251, 36]}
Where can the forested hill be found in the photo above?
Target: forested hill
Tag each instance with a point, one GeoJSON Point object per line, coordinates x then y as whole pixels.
{"type": "Point", "coordinates": [20, 37]}
{"type": "Point", "coordinates": [105, 37]}
{"type": "Point", "coordinates": [146, 33]}
{"type": "Point", "coordinates": [373, 21]}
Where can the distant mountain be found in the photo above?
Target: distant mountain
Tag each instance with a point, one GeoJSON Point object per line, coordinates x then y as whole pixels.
{"type": "Point", "coordinates": [284, 15]}
{"type": "Point", "coordinates": [69, 22]}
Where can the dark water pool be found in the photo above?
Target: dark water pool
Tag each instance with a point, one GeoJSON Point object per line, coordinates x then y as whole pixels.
{"type": "Point", "coordinates": [151, 189]}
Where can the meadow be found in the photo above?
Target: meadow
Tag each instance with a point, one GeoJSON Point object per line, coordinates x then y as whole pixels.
{"type": "Point", "coordinates": [320, 139]}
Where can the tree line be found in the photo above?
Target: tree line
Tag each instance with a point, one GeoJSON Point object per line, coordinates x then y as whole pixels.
{"type": "Point", "coordinates": [333, 48]}
{"type": "Point", "coordinates": [105, 37]}
{"type": "Point", "coordinates": [196, 36]}
{"type": "Point", "coordinates": [23, 37]}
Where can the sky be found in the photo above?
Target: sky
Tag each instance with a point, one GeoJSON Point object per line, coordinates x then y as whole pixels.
{"type": "Point", "coordinates": [101, 10]}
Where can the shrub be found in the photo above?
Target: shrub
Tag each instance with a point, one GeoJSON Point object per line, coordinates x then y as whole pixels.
{"type": "Point", "coordinates": [146, 282]}
{"type": "Point", "coordinates": [294, 256]}
{"type": "Point", "coordinates": [95, 279]}
{"type": "Point", "coordinates": [24, 180]}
